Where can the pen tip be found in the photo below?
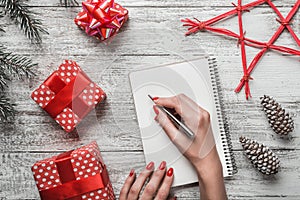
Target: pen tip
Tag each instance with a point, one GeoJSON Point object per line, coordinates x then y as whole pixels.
{"type": "Point", "coordinates": [150, 96]}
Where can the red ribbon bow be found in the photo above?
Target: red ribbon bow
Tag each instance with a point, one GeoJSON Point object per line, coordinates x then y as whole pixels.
{"type": "Point", "coordinates": [102, 19]}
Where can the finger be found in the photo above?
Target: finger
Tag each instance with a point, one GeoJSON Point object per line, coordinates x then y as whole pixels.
{"type": "Point", "coordinates": [182, 104]}
{"type": "Point", "coordinates": [169, 102]}
{"type": "Point", "coordinates": [165, 187]}
{"type": "Point", "coordinates": [177, 137]}
{"type": "Point", "coordinates": [154, 183]}
{"type": "Point", "coordinates": [127, 185]}
{"type": "Point", "coordinates": [135, 189]}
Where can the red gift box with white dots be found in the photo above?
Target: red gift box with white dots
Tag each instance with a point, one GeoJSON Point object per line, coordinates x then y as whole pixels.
{"type": "Point", "coordinates": [68, 95]}
{"type": "Point", "coordinates": [74, 175]}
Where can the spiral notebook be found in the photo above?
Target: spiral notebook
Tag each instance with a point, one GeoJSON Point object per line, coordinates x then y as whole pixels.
{"type": "Point", "coordinates": [199, 80]}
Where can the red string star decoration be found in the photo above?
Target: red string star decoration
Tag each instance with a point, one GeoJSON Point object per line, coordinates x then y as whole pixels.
{"type": "Point", "coordinates": [285, 23]}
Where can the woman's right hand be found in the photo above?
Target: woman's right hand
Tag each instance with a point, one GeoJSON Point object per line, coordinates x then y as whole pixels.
{"type": "Point", "coordinates": [200, 151]}
{"type": "Point", "coordinates": [196, 118]}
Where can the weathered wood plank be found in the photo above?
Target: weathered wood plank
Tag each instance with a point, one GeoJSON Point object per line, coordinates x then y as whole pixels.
{"type": "Point", "coordinates": [153, 36]}
{"type": "Point", "coordinates": [164, 3]}
{"type": "Point", "coordinates": [151, 31]}
{"type": "Point", "coordinates": [17, 181]}
{"type": "Point", "coordinates": [115, 120]}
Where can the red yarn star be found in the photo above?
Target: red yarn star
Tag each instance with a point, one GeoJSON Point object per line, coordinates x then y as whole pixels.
{"type": "Point", "coordinates": [195, 26]}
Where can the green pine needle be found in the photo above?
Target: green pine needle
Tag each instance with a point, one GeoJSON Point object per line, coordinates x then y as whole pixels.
{"type": "Point", "coordinates": [68, 3]}
{"type": "Point", "coordinates": [7, 111]}
{"type": "Point", "coordinates": [3, 80]}
{"type": "Point", "coordinates": [12, 65]}
{"type": "Point", "coordinates": [1, 29]}
{"type": "Point", "coordinates": [18, 12]}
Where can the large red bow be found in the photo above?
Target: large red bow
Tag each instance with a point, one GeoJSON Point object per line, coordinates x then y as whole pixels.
{"type": "Point", "coordinates": [101, 18]}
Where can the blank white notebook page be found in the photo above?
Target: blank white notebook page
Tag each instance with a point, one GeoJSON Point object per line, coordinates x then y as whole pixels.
{"type": "Point", "coordinates": [191, 78]}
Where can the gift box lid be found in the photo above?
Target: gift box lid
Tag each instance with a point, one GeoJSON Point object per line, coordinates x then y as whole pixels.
{"type": "Point", "coordinates": [79, 166]}
{"type": "Point", "coordinates": [68, 95]}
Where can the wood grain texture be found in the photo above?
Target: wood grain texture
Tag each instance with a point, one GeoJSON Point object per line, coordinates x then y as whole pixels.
{"type": "Point", "coordinates": [153, 36]}
{"type": "Point", "coordinates": [17, 180]}
{"type": "Point", "coordinates": [163, 3]}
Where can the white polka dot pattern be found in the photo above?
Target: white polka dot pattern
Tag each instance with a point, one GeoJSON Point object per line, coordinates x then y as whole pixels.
{"type": "Point", "coordinates": [86, 161]}
{"type": "Point", "coordinates": [106, 193]}
{"type": "Point", "coordinates": [67, 119]}
{"type": "Point", "coordinates": [90, 95]}
{"type": "Point", "coordinates": [68, 70]}
{"type": "Point", "coordinates": [45, 174]}
{"type": "Point", "coordinates": [43, 95]}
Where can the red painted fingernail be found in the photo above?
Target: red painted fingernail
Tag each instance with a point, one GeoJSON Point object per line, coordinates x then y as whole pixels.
{"type": "Point", "coordinates": [155, 98]}
{"type": "Point", "coordinates": [155, 109]}
{"type": "Point", "coordinates": [150, 166]}
{"type": "Point", "coordinates": [170, 172]}
{"type": "Point", "coordinates": [131, 173]}
{"type": "Point", "coordinates": [162, 165]}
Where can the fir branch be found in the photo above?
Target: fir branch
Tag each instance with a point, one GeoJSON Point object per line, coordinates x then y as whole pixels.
{"type": "Point", "coordinates": [18, 11]}
{"type": "Point", "coordinates": [3, 80]}
{"type": "Point", "coordinates": [15, 66]}
{"type": "Point", "coordinates": [7, 111]}
{"type": "Point", "coordinates": [68, 3]}
{"type": "Point", "coordinates": [1, 15]}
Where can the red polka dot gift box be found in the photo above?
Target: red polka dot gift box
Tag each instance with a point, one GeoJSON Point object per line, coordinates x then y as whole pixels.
{"type": "Point", "coordinates": [68, 95]}
{"type": "Point", "coordinates": [79, 174]}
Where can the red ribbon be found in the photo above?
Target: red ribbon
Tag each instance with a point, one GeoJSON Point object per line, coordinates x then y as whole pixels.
{"type": "Point", "coordinates": [55, 83]}
{"type": "Point", "coordinates": [65, 94]}
{"type": "Point", "coordinates": [64, 167]}
{"type": "Point", "coordinates": [272, 40]}
{"type": "Point", "coordinates": [71, 188]}
{"type": "Point", "coordinates": [197, 25]}
{"type": "Point", "coordinates": [101, 18]}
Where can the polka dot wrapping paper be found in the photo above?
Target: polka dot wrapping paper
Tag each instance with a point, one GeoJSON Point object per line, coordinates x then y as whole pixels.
{"type": "Point", "coordinates": [68, 95]}
{"type": "Point", "coordinates": [74, 175]}
{"type": "Point", "coordinates": [101, 18]}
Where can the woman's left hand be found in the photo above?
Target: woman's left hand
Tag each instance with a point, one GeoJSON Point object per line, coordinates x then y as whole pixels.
{"type": "Point", "coordinates": [157, 188]}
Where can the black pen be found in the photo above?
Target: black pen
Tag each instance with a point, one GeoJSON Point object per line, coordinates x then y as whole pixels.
{"type": "Point", "coordinates": [180, 125]}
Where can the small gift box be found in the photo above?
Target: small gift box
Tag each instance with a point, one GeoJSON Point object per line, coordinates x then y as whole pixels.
{"type": "Point", "coordinates": [101, 18]}
{"type": "Point", "coordinates": [74, 175]}
{"type": "Point", "coordinates": [68, 95]}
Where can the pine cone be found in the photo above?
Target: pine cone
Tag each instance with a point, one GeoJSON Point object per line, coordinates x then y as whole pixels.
{"type": "Point", "coordinates": [260, 156]}
{"type": "Point", "coordinates": [279, 120]}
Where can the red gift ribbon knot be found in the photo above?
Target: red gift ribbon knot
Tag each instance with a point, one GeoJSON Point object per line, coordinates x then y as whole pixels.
{"type": "Point", "coordinates": [239, 8]}
{"type": "Point", "coordinates": [202, 26]}
{"type": "Point", "coordinates": [284, 22]}
{"type": "Point", "coordinates": [241, 38]}
{"type": "Point", "coordinates": [246, 78]}
{"type": "Point", "coordinates": [268, 45]}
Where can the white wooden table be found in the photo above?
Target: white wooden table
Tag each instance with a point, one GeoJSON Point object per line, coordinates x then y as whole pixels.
{"type": "Point", "coordinates": [153, 36]}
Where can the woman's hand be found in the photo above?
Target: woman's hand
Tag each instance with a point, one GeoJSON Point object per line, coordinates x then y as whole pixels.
{"type": "Point", "coordinates": [157, 183]}
{"type": "Point", "coordinates": [200, 151]}
{"type": "Point", "coordinates": [196, 118]}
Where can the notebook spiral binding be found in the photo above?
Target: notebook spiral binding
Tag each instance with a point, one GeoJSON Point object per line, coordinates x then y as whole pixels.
{"type": "Point", "coordinates": [222, 119]}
